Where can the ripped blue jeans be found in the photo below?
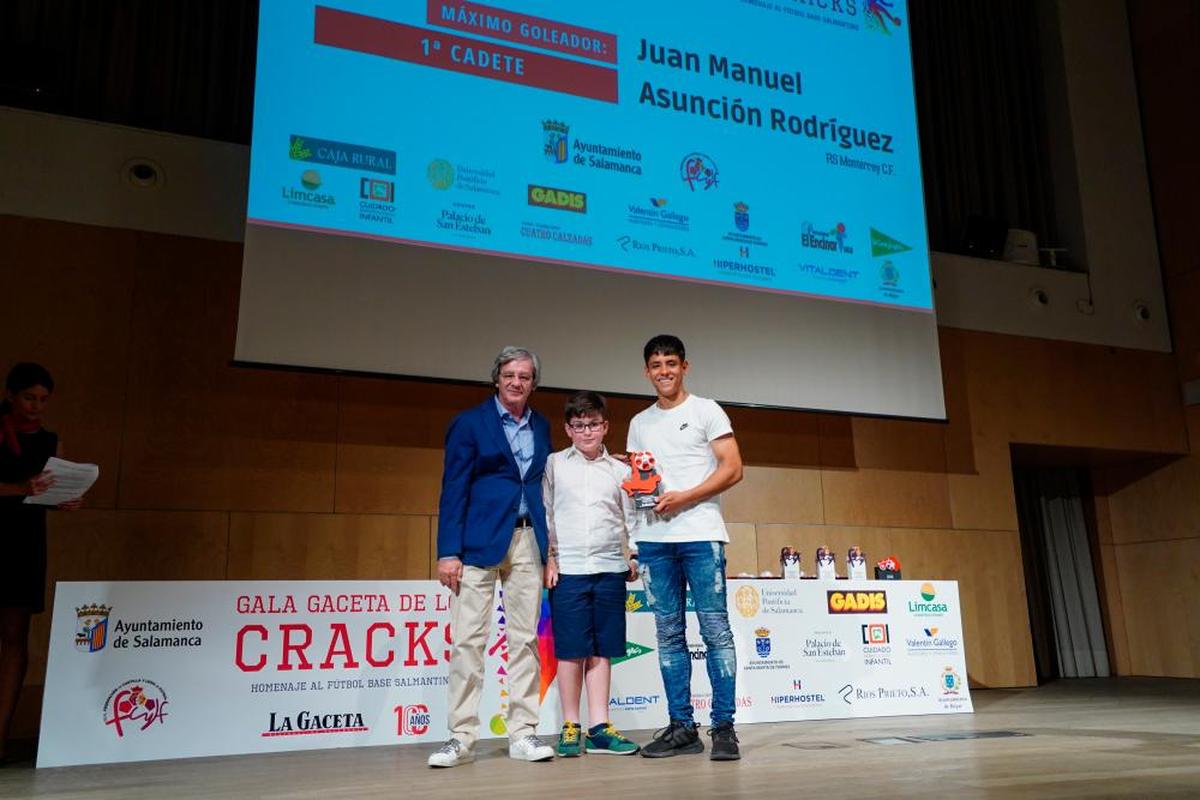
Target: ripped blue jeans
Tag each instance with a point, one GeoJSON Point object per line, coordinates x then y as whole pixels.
{"type": "Point", "coordinates": [667, 570]}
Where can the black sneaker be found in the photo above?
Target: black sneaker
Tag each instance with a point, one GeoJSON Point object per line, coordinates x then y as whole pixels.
{"type": "Point", "coordinates": [724, 743]}
{"type": "Point", "coordinates": [676, 739]}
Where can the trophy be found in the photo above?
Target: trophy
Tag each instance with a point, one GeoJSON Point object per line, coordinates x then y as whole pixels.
{"type": "Point", "coordinates": [888, 569]}
{"type": "Point", "coordinates": [826, 569]}
{"type": "Point", "coordinates": [856, 564]}
{"type": "Point", "coordinates": [644, 484]}
{"type": "Point", "coordinates": [789, 563]}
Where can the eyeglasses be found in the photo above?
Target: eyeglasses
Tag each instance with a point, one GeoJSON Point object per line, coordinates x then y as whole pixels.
{"type": "Point", "coordinates": [580, 427]}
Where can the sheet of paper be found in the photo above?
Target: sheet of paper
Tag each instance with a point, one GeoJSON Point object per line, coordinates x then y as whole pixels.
{"type": "Point", "coordinates": [71, 480]}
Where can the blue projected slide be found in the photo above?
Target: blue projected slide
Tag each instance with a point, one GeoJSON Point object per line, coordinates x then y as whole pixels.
{"type": "Point", "coordinates": [768, 145]}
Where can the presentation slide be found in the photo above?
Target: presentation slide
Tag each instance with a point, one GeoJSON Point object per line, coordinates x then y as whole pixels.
{"type": "Point", "coordinates": [768, 146]}
{"type": "Point", "coordinates": [431, 181]}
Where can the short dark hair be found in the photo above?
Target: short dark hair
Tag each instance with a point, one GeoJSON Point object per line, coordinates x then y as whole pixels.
{"type": "Point", "coordinates": [584, 404]}
{"type": "Point", "coordinates": [664, 345]}
{"type": "Point", "coordinates": [27, 375]}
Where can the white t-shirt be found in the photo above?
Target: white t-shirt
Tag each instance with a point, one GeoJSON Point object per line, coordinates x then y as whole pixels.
{"type": "Point", "coordinates": [681, 440]}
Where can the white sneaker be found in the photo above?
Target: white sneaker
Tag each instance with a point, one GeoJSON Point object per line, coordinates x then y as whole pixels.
{"type": "Point", "coordinates": [452, 754]}
{"type": "Point", "coordinates": [530, 748]}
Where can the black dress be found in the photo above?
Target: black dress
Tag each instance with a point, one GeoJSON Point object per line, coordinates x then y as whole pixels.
{"type": "Point", "coordinates": [22, 526]}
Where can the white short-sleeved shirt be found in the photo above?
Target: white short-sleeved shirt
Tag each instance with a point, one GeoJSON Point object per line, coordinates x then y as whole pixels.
{"type": "Point", "coordinates": [681, 440]}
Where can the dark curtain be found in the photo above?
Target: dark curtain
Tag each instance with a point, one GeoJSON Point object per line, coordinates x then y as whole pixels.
{"type": "Point", "coordinates": [1065, 615]}
{"type": "Point", "coordinates": [184, 66]}
{"type": "Point", "coordinates": [981, 110]}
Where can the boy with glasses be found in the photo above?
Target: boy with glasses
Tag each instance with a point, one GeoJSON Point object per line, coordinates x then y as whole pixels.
{"type": "Point", "coordinates": [588, 521]}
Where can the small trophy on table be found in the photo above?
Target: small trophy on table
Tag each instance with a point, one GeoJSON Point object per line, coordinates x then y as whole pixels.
{"type": "Point", "coordinates": [789, 563]}
{"type": "Point", "coordinates": [644, 484]}
{"type": "Point", "coordinates": [826, 569]}
{"type": "Point", "coordinates": [856, 564]}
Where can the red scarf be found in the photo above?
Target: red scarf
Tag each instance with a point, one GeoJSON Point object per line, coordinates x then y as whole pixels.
{"type": "Point", "coordinates": [12, 427]}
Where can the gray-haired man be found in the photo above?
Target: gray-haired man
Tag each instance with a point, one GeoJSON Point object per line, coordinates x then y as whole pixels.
{"type": "Point", "coordinates": [492, 524]}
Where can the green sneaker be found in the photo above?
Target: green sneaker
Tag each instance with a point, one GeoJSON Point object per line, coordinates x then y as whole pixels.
{"type": "Point", "coordinates": [568, 740]}
{"type": "Point", "coordinates": [607, 740]}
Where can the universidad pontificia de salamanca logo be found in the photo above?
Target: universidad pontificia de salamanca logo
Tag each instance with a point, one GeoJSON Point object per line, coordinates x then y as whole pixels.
{"type": "Point", "coordinates": [91, 628]}
{"type": "Point", "coordinates": [134, 707]}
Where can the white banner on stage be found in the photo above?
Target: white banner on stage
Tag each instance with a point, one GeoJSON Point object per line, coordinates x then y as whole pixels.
{"type": "Point", "coordinates": [151, 670]}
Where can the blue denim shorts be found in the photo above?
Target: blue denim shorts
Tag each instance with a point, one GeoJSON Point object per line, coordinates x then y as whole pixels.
{"type": "Point", "coordinates": [587, 614]}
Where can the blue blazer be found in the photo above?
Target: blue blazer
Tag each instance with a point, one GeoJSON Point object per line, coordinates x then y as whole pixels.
{"type": "Point", "coordinates": [482, 487]}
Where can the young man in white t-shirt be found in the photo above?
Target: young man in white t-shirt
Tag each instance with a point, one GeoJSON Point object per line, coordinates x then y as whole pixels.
{"type": "Point", "coordinates": [682, 544]}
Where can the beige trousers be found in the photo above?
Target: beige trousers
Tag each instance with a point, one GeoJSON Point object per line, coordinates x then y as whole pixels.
{"type": "Point", "coordinates": [471, 614]}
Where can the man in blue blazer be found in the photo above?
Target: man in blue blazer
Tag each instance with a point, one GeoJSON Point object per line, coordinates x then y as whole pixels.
{"type": "Point", "coordinates": [492, 524]}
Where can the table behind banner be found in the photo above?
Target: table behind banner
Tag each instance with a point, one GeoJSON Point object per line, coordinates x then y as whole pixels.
{"type": "Point", "coordinates": [148, 670]}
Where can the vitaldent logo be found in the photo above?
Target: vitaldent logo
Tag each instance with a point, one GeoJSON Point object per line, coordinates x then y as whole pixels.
{"type": "Point", "coordinates": [634, 702]}
{"type": "Point", "coordinates": [926, 606]}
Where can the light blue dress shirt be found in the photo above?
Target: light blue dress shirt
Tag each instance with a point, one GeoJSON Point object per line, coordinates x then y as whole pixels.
{"type": "Point", "coordinates": [520, 438]}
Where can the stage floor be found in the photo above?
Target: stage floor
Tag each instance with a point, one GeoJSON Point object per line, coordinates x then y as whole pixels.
{"type": "Point", "coordinates": [1125, 737]}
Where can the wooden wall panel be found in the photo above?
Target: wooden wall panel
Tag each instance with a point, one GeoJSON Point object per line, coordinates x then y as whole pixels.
{"type": "Point", "coordinates": [328, 547]}
{"type": "Point", "coordinates": [741, 554]}
{"type": "Point", "coordinates": [775, 494]}
{"type": "Point", "coordinates": [375, 479]}
{"type": "Point", "coordinates": [959, 432]}
{"type": "Point", "coordinates": [1163, 505]}
{"type": "Point", "coordinates": [74, 318]}
{"type": "Point", "coordinates": [199, 433]}
{"type": "Point", "coordinates": [1115, 615]}
{"type": "Point", "coordinates": [902, 445]}
{"type": "Point", "coordinates": [785, 438]}
{"type": "Point", "coordinates": [1074, 395]}
{"type": "Point", "coordinates": [985, 500]}
{"type": "Point", "coordinates": [1160, 584]}
{"type": "Point", "coordinates": [876, 497]}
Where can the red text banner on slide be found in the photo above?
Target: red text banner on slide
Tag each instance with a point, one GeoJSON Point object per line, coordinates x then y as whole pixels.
{"type": "Point", "coordinates": [414, 45]}
{"type": "Point", "coordinates": [511, 26]}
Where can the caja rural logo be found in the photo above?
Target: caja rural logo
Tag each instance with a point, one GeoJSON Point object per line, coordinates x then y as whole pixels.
{"type": "Point", "coordinates": [874, 602]}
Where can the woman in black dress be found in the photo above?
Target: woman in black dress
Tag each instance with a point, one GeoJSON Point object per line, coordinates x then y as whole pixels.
{"type": "Point", "coordinates": [24, 448]}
